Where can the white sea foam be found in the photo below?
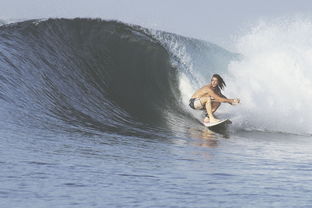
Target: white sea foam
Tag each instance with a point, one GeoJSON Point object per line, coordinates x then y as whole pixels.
{"type": "Point", "coordinates": [274, 77]}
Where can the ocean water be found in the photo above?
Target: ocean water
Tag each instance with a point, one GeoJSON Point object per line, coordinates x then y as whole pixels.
{"type": "Point", "coordinates": [95, 114]}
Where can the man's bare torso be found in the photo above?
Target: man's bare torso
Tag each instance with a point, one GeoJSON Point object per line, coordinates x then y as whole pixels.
{"type": "Point", "coordinates": [204, 91]}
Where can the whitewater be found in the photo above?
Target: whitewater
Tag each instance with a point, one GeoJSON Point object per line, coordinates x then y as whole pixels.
{"type": "Point", "coordinates": [274, 76]}
{"type": "Point", "coordinates": [95, 114]}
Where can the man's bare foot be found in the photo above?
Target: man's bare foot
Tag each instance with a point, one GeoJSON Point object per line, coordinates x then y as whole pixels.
{"type": "Point", "coordinates": [214, 120]}
{"type": "Point", "coordinates": [206, 120]}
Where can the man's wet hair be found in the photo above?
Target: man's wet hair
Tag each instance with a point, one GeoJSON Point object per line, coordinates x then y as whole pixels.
{"type": "Point", "coordinates": [221, 83]}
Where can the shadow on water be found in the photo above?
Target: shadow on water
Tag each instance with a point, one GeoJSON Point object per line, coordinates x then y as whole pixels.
{"type": "Point", "coordinates": [208, 137]}
{"type": "Point", "coordinates": [204, 137]}
{"type": "Point", "coordinates": [222, 129]}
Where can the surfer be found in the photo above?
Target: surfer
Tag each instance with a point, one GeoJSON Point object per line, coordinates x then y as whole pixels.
{"type": "Point", "coordinates": [209, 98]}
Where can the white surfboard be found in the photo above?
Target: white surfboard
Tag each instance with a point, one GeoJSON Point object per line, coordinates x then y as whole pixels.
{"type": "Point", "coordinates": [223, 121]}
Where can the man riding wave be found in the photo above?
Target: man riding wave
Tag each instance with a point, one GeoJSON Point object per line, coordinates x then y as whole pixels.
{"type": "Point", "coordinates": [209, 98]}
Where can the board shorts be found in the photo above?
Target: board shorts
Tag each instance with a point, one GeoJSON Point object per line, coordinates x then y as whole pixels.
{"type": "Point", "coordinates": [196, 104]}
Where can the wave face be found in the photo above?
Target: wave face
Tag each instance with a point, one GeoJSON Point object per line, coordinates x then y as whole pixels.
{"type": "Point", "coordinates": [95, 75]}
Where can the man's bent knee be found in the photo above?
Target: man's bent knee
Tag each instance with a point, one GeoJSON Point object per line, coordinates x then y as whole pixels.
{"type": "Point", "coordinates": [205, 99]}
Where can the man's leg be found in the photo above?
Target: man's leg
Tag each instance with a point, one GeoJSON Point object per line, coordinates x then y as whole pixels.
{"type": "Point", "coordinates": [209, 108]}
{"type": "Point", "coordinates": [215, 106]}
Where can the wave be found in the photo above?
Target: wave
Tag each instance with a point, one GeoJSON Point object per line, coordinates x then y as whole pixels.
{"type": "Point", "coordinates": [91, 75]}
{"type": "Point", "coordinates": [73, 74]}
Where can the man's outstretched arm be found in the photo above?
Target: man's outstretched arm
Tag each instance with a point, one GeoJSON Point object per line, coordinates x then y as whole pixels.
{"type": "Point", "coordinates": [222, 99]}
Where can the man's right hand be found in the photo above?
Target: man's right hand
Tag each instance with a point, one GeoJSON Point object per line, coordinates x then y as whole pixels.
{"type": "Point", "coordinates": [236, 101]}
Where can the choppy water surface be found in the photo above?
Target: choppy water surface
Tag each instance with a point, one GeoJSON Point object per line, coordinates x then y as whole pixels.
{"type": "Point", "coordinates": [248, 169]}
